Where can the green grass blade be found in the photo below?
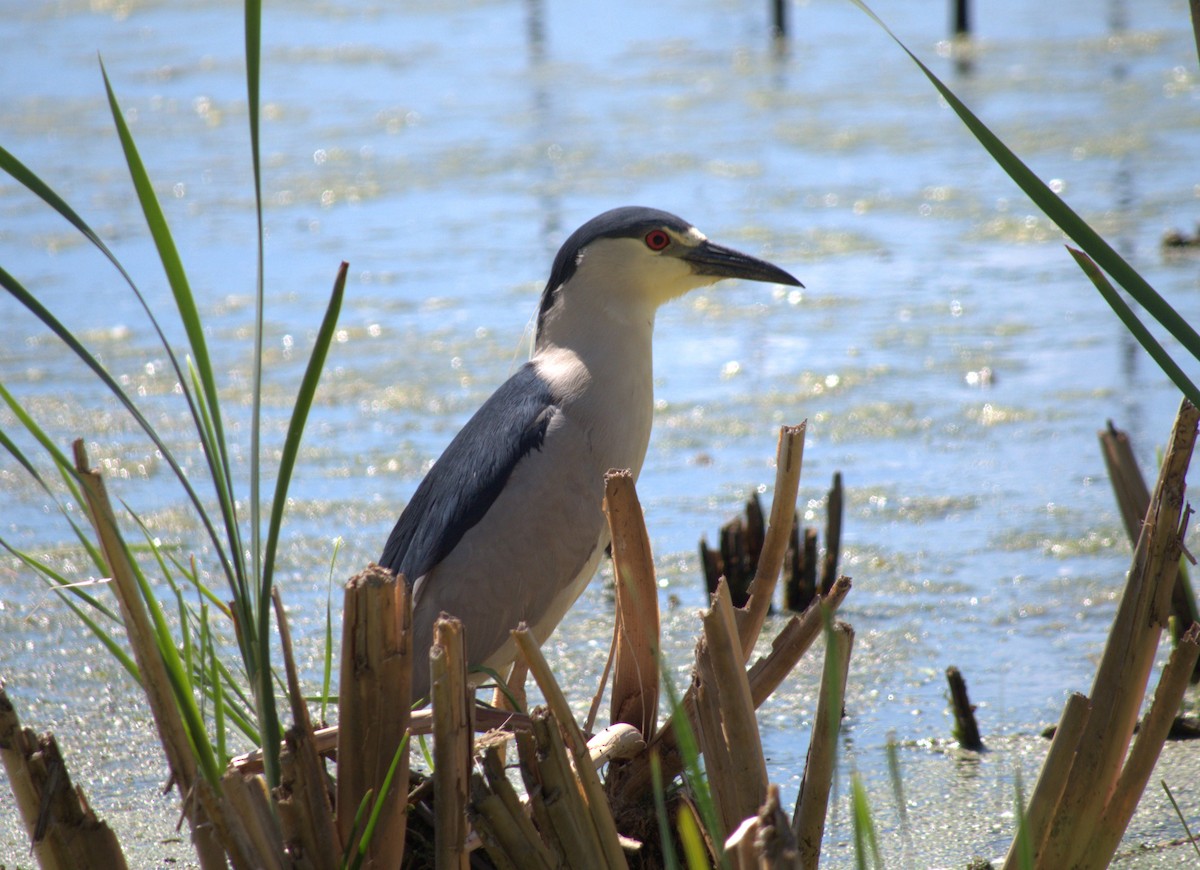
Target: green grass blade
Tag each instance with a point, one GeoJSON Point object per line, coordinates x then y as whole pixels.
{"type": "Point", "coordinates": [670, 859]}
{"type": "Point", "coordinates": [1135, 326]}
{"type": "Point", "coordinates": [27, 177]}
{"type": "Point", "coordinates": [253, 33]}
{"type": "Point", "coordinates": [327, 676]}
{"type": "Point", "coordinates": [15, 288]}
{"type": "Point", "coordinates": [172, 265]}
{"type": "Point", "coordinates": [865, 835]}
{"type": "Point", "coordinates": [60, 584]}
{"type": "Point", "coordinates": [291, 443]}
{"type": "Point", "coordinates": [1057, 210]}
{"type": "Point", "coordinates": [689, 751]}
{"type": "Point", "coordinates": [897, 781]}
{"type": "Point", "coordinates": [693, 843]}
{"type": "Point", "coordinates": [1024, 842]}
{"type": "Point", "coordinates": [384, 790]}
{"type": "Point", "coordinates": [364, 807]}
{"type": "Point", "coordinates": [23, 174]}
{"type": "Point", "coordinates": [68, 476]}
{"type": "Point", "coordinates": [1182, 819]}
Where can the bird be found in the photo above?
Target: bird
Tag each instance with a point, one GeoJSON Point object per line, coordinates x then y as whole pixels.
{"type": "Point", "coordinates": [508, 525]}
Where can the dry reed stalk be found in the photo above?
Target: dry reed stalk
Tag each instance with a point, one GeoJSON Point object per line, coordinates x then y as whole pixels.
{"type": "Point", "coordinates": [1129, 487]}
{"type": "Point", "coordinates": [1133, 500]}
{"type": "Point", "coordinates": [738, 724]}
{"type": "Point", "coordinates": [452, 738]}
{"type": "Point", "coordinates": [566, 805]}
{"type": "Point", "coordinates": [373, 707]}
{"type": "Point", "coordinates": [1052, 779]}
{"type": "Point", "coordinates": [495, 827]}
{"type": "Point", "coordinates": [833, 533]}
{"type": "Point", "coordinates": [718, 757]}
{"type": "Point", "coordinates": [248, 798]}
{"type": "Point", "coordinates": [535, 790]}
{"type": "Point", "coordinates": [1124, 669]}
{"type": "Point", "coordinates": [515, 683]}
{"type": "Point", "coordinates": [64, 833]}
{"type": "Point", "coordinates": [598, 806]}
{"type": "Point", "coordinates": [1143, 755]}
{"type": "Point", "coordinates": [630, 783]}
{"type": "Point", "coordinates": [308, 791]}
{"type": "Point", "coordinates": [789, 458]}
{"type": "Point", "coordinates": [420, 722]}
{"type": "Point", "coordinates": [793, 642]}
{"type": "Point", "coordinates": [636, 633]}
{"type": "Point", "coordinates": [521, 840]}
{"type": "Point", "coordinates": [156, 684]}
{"type": "Point", "coordinates": [808, 820]}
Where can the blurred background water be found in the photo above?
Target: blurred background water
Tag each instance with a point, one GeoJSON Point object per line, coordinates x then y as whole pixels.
{"type": "Point", "coordinates": [952, 361]}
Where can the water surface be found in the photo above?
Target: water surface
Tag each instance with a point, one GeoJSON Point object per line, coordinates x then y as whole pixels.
{"type": "Point", "coordinates": [445, 153]}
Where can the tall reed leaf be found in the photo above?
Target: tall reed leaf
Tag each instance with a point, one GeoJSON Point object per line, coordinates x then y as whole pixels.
{"type": "Point", "coordinates": [1135, 326]}
{"type": "Point", "coordinates": [189, 316]}
{"type": "Point", "coordinates": [1058, 211]}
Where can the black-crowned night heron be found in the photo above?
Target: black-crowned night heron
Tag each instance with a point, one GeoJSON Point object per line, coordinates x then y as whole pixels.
{"type": "Point", "coordinates": [508, 525]}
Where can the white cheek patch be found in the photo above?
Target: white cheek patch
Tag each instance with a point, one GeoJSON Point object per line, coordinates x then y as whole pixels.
{"type": "Point", "coordinates": [693, 236]}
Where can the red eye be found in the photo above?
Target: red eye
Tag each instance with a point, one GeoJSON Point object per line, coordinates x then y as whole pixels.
{"type": "Point", "coordinates": [656, 240]}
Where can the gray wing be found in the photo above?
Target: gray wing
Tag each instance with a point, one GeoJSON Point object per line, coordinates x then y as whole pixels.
{"type": "Point", "coordinates": [465, 481]}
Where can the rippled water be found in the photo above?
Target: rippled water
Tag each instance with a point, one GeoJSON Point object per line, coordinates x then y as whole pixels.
{"type": "Point", "coordinates": [445, 153]}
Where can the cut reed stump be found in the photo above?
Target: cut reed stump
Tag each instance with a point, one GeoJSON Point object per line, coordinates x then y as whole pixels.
{"type": "Point", "coordinates": [805, 572]}
{"type": "Point", "coordinates": [1093, 778]}
{"type": "Point", "coordinates": [452, 741]}
{"type": "Point", "coordinates": [216, 831]}
{"type": "Point", "coordinates": [64, 833]}
{"type": "Point", "coordinates": [373, 708]}
{"type": "Point", "coordinates": [966, 729]}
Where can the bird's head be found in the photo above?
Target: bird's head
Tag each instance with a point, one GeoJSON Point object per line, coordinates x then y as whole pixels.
{"type": "Point", "coordinates": [634, 259]}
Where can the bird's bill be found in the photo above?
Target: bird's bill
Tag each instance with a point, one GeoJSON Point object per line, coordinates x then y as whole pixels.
{"type": "Point", "coordinates": [721, 262]}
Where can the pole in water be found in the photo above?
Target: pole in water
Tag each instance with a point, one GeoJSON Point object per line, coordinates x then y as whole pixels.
{"type": "Point", "coordinates": [779, 18]}
{"type": "Point", "coordinates": [962, 17]}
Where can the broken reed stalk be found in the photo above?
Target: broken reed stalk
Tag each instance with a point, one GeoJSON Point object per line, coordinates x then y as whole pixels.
{"type": "Point", "coordinates": [313, 813]}
{"type": "Point", "coordinates": [1133, 499]}
{"type": "Point", "coordinates": [627, 784]}
{"type": "Point", "coordinates": [790, 645]}
{"type": "Point", "coordinates": [808, 820]}
{"type": "Point", "coordinates": [452, 739]}
{"type": "Point", "coordinates": [493, 796]}
{"type": "Point", "coordinates": [966, 729]}
{"type": "Point", "coordinates": [834, 501]}
{"type": "Point", "coordinates": [1129, 487]}
{"type": "Point", "coordinates": [536, 792]}
{"type": "Point", "coordinates": [248, 798]}
{"type": "Point", "coordinates": [729, 727]}
{"type": "Point", "coordinates": [1143, 755]}
{"type": "Point", "coordinates": [63, 831]}
{"type": "Point", "coordinates": [1076, 825]}
{"type": "Point", "coordinates": [374, 706]}
{"type": "Point", "coordinates": [789, 459]}
{"type": "Point", "coordinates": [635, 686]}
{"type": "Point", "coordinates": [200, 804]}
{"type": "Point", "coordinates": [566, 804]}
{"type": "Point", "coordinates": [593, 791]}
{"type": "Point", "coordinates": [1053, 778]}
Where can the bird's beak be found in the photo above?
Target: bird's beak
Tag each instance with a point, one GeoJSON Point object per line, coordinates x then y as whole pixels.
{"type": "Point", "coordinates": [721, 262]}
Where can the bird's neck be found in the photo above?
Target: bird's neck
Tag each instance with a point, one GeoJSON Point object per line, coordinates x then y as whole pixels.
{"type": "Point", "coordinates": [603, 366]}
